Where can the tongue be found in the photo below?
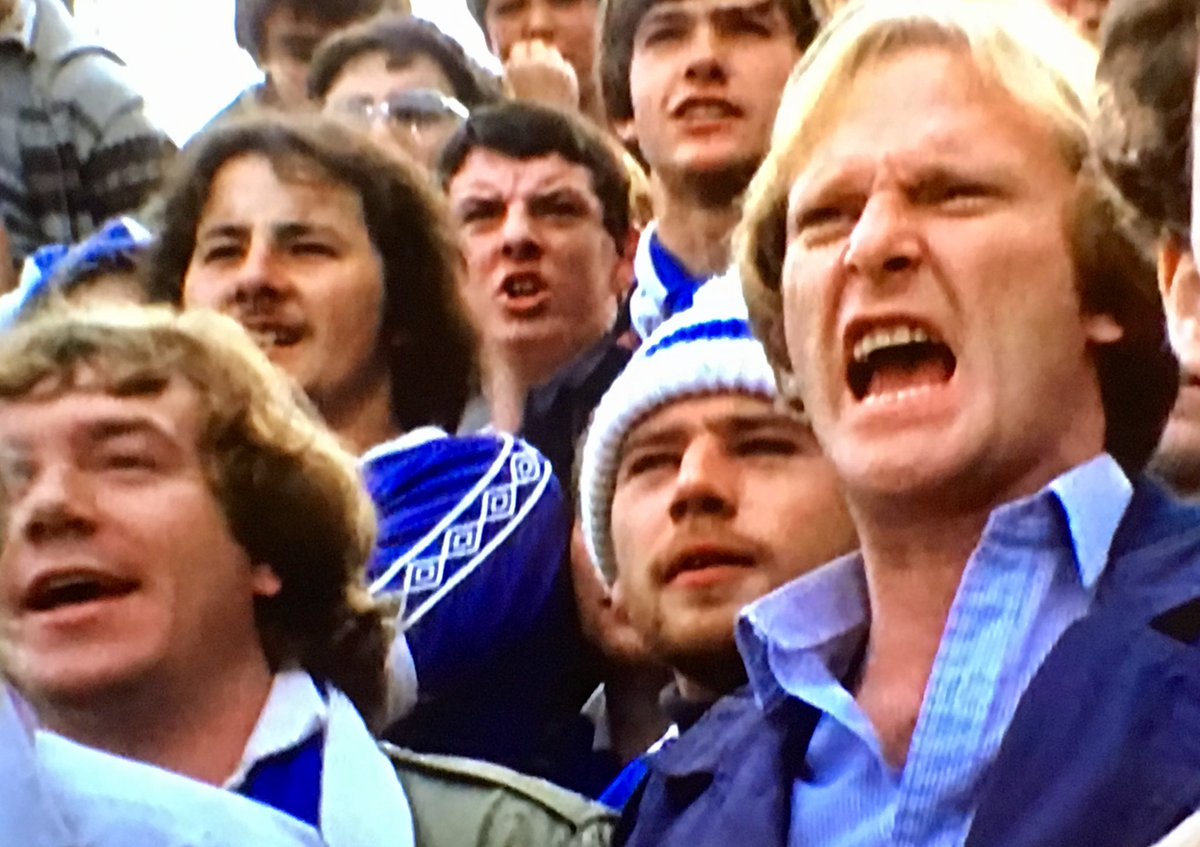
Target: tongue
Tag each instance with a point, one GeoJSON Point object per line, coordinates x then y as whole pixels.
{"type": "Point", "coordinates": [895, 372]}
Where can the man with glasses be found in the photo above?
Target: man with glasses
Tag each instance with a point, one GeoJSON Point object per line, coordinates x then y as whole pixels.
{"type": "Point", "coordinates": [403, 79]}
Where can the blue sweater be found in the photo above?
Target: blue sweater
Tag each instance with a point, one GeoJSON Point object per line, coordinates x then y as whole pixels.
{"type": "Point", "coordinates": [1104, 748]}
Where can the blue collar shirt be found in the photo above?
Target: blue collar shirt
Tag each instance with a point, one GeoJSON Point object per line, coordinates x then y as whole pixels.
{"type": "Point", "coordinates": [1033, 574]}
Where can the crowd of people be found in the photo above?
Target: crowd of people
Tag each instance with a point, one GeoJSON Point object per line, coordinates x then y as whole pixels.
{"type": "Point", "coordinates": [767, 422]}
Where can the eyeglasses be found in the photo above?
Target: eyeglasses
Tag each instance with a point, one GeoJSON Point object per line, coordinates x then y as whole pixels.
{"type": "Point", "coordinates": [413, 110]}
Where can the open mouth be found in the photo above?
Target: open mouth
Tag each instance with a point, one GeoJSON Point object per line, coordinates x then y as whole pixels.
{"type": "Point", "coordinates": [524, 292]}
{"type": "Point", "coordinates": [268, 336]}
{"type": "Point", "coordinates": [896, 360]}
{"type": "Point", "coordinates": [705, 109]}
{"type": "Point", "coordinates": [75, 588]}
{"type": "Point", "coordinates": [707, 559]}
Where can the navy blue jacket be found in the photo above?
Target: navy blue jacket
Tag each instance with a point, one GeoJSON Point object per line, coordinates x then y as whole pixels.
{"type": "Point", "coordinates": [1104, 749]}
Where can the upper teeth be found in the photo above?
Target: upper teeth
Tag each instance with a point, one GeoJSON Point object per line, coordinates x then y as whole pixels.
{"type": "Point", "coordinates": [521, 287]}
{"type": "Point", "coordinates": [896, 336]}
{"type": "Point", "coordinates": [706, 110]}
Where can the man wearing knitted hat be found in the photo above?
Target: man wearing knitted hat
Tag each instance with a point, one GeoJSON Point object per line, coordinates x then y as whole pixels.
{"type": "Point", "coordinates": [699, 494]}
{"type": "Point", "coordinates": [695, 84]}
{"type": "Point", "coordinates": [937, 271]}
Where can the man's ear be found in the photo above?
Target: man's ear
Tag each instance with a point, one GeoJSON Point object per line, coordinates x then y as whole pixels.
{"type": "Point", "coordinates": [624, 130]}
{"type": "Point", "coordinates": [264, 581]}
{"type": "Point", "coordinates": [1172, 253]}
{"type": "Point", "coordinates": [622, 275]}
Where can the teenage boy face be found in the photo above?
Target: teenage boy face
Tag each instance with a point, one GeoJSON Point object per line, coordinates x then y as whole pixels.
{"type": "Point", "coordinates": [543, 274]}
{"type": "Point", "coordinates": [705, 83]}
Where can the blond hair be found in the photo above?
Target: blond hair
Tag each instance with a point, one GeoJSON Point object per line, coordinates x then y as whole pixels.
{"type": "Point", "coordinates": [1035, 55]}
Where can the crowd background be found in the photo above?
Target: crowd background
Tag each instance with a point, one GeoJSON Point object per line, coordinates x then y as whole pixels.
{"type": "Point", "coordinates": [508, 491]}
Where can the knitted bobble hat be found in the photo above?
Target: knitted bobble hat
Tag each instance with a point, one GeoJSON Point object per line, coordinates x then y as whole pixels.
{"type": "Point", "coordinates": [707, 349]}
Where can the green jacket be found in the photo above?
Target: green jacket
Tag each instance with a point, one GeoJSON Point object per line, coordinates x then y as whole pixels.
{"type": "Point", "coordinates": [463, 803]}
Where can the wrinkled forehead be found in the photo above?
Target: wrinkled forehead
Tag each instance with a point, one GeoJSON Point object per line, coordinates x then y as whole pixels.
{"type": "Point", "coordinates": [813, 111]}
{"type": "Point", "coordinates": [86, 406]}
{"type": "Point", "coordinates": [488, 171]}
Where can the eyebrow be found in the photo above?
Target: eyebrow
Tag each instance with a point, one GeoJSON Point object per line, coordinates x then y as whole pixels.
{"type": "Point", "coordinates": [726, 425]}
{"type": "Point", "coordinates": [671, 10]}
{"type": "Point", "coordinates": [286, 231]}
{"type": "Point", "coordinates": [107, 429]}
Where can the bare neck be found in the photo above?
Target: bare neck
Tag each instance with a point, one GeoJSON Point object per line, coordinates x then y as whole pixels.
{"type": "Point", "coordinates": [635, 719]}
{"type": "Point", "coordinates": [364, 419]}
{"type": "Point", "coordinates": [200, 732]}
{"type": "Point", "coordinates": [698, 234]}
{"type": "Point", "coordinates": [710, 678]}
{"type": "Point", "coordinates": [590, 104]}
{"type": "Point", "coordinates": [510, 374]}
{"type": "Point", "coordinates": [913, 573]}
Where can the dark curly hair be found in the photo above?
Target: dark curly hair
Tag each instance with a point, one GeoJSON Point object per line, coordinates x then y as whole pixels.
{"type": "Point", "coordinates": [291, 494]}
{"type": "Point", "coordinates": [432, 359]}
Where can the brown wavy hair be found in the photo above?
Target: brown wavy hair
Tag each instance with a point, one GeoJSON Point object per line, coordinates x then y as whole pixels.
{"type": "Point", "coordinates": [432, 355]}
{"type": "Point", "coordinates": [292, 495]}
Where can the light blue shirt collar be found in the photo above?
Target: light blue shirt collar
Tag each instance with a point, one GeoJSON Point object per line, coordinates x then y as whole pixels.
{"type": "Point", "coordinates": [827, 611]}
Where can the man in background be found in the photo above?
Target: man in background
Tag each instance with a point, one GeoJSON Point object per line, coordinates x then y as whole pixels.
{"type": "Point", "coordinates": [695, 84]}
{"type": "Point", "coordinates": [700, 495]}
{"type": "Point", "coordinates": [548, 48]}
{"type": "Point", "coordinates": [281, 37]}
{"type": "Point", "coordinates": [403, 80]}
{"type": "Point", "coordinates": [1147, 77]}
{"type": "Point", "coordinates": [541, 205]}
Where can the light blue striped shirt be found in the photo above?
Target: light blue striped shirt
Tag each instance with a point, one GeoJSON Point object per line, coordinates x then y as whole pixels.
{"type": "Point", "coordinates": [1033, 574]}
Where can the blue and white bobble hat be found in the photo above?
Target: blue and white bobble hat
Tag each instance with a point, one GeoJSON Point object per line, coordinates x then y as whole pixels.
{"type": "Point", "coordinates": [706, 349]}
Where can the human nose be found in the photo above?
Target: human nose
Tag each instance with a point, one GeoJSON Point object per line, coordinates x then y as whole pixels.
{"type": "Point", "coordinates": [539, 23]}
{"type": "Point", "coordinates": [520, 241]}
{"type": "Point", "coordinates": [57, 502]}
{"type": "Point", "coordinates": [705, 483]}
{"type": "Point", "coordinates": [258, 279]}
{"type": "Point", "coordinates": [705, 56]}
{"type": "Point", "coordinates": [882, 242]}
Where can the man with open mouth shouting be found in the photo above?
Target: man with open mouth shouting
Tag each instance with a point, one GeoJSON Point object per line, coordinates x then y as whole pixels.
{"type": "Point", "coordinates": [935, 267]}
{"type": "Point", "coordinates": [181, 583]}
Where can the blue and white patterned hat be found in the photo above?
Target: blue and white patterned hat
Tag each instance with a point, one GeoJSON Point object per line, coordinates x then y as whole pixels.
{"type": "Point", "coordinates": [706, 349]}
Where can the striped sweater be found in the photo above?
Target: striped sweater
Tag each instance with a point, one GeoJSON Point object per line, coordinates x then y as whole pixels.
{"type": "Point", "coordinates": [75, 145]}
